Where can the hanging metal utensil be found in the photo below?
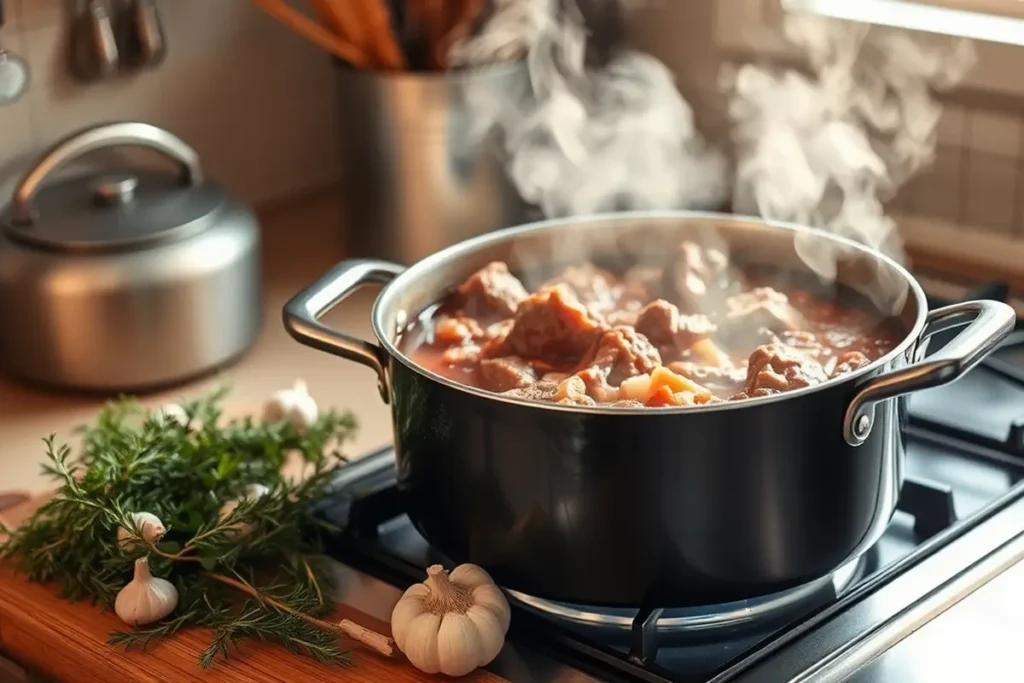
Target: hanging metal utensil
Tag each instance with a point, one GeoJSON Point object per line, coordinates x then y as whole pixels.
{"type": "Point", "coordinates": [142, 39]}
{"type": "Point", "coordinates": [94, 53]}
{"type": "Point", "coordinates": [13, 71]}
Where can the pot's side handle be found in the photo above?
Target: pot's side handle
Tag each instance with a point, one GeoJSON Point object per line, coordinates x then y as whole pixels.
{"type": "Point", "coordinates": [302, 313]}
{"type": "Point", "coordinates": [990, 322]}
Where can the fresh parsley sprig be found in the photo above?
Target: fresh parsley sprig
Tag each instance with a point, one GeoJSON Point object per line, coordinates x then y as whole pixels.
{"type": "Point", "coordinates": [271, 582]}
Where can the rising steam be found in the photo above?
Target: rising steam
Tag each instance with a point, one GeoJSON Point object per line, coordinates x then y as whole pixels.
{"type": "Point", "coordinates": [583, 140]}
{"type": "Point", "coordinates": [826, 149]}
{"type": "Point", "coordinates": [823, 148]}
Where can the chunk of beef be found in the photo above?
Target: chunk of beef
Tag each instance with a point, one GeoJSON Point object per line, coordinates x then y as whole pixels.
{"type": "Point", "coordinates": [596, 289]}
{"type": "Point", "coordinates": [622, 352]}
{"type": "Point", "coordinates": [725, 380]}
{"type": "Point", "coordinates": [601, 293]}
{"type": "Point", "coordinates": [552, 326]}
{"type": "Point", "coordinates": [658, 321]}
{"type": "Point", "coordinates": [464, 356]}
{"type": "Point", "coordinates": [627, 403]}
{"type": "Point", "coordinates": [573, 391]}
{"type": "Point", "coordinates": [671, 332]}
{"type": "Point", "coordinates": [774, 368]}
{"type": "Point", "coordinates": [450, 330]}
{"type": "Point", "coordinates": [491, 292]}
{"type": "Point", "coordinates": [503, 374]}
{"type": "Point", "coordinates": [569, 390]}
{"type": "Point", "coordinates": [469, 340]}
{"type": "Point", "coordinates": [752, 315]}
{"type": "Point", "coordinates": [544, 390]}
{"type": "Point", "coordinates": [494, 338]}
{"type": "Point", "coordinates": [848, 362]}
{"type": "Point", "coordinates": [698, 278]}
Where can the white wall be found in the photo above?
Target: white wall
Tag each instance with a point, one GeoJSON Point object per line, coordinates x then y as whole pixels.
{"type": "Point", "coordinates": [257, 102]}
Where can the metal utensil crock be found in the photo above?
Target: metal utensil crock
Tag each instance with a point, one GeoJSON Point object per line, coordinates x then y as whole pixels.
{"type": "Point", "coordinates": [667, 507]}
{"type": "Point", "coordinates": [129, 280]}
{"type": "Point", "coordinates": [417, 177]}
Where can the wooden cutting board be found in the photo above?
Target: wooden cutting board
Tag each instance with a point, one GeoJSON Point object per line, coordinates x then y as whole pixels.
{"type": "Point", "coordinates": [67, 641]}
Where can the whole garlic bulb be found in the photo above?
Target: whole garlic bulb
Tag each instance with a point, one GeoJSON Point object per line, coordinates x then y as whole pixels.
{"type": "Point", "coordinates": [147, 524]}
{"type": "Point", "coordinates": [451, 623]}
{"type": "Point", "coordinates": [252, 492]}
{"type": "Point", "coordinates": [146, 598]}
{"type": "Point", "coordinates": [293, 405]}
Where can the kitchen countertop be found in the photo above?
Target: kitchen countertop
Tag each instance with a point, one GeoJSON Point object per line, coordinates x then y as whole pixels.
{"type": "Point", "coordinates": [301, 240]}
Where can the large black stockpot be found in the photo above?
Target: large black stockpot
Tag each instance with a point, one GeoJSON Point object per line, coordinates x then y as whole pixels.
{"type": "Point", "coordinates": [670, 507]}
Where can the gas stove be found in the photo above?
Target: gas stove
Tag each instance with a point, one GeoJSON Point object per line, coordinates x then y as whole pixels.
{"type": "Point", "coordinates": [949, 557]}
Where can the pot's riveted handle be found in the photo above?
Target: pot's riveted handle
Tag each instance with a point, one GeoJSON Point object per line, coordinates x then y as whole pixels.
{"type": "Point", "coordinates": [301, 314]}
{"type": "Point", "coordinates": [989, 323]}
{"type": "Point", "coordinates": [126, 133]}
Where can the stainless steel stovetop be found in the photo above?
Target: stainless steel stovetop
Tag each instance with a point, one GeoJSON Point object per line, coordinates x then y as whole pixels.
{"type": "Point", "coordinates": [945, 578]}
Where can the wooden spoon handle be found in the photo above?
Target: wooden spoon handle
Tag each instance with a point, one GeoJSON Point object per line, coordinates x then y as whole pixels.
{"type": "Point", "coordinates": [342, 17]}
{"type": "Point", "coordinates": [377, 21]}
{"type": "Point", "coordinates": [309, 29]}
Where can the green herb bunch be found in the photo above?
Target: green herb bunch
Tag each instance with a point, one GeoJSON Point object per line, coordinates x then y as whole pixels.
{"type": "Point", "coordinates": [270, 581]}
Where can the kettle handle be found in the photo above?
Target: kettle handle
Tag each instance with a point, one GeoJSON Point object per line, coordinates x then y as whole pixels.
{"type": "Point", "coordinates": [100, 137]}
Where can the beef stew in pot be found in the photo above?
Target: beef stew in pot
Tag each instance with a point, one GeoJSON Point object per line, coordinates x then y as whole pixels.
{"type": "Point", "coordinates": [692, 332]}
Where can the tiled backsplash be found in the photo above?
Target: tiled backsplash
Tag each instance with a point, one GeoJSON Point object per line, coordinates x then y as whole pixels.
{"type": "Point", "coordinates": [978, 173]}
{"type": "Point", "coordinates": [257, 102]}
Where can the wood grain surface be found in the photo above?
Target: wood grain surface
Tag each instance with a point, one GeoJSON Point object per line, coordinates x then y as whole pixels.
{"type": "Point", "coordinates": [67, 641]}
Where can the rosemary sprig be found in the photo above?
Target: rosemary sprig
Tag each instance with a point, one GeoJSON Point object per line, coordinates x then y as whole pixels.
{"type": "Point", "coordinates": [133, 460]}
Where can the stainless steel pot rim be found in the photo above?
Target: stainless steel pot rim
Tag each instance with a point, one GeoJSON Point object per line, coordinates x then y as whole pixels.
{"type": "Point", "coordinates": [711, 617]}
{"type": "Point", "coordinates": [467, 247]}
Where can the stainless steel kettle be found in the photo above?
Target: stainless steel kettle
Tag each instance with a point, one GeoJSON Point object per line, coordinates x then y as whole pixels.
{"type": "Point", "coordinates": [125, 281]}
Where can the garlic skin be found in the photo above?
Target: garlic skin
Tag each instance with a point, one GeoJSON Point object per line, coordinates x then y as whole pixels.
{"type": "Point", "coordinates": [293, 405]}
{"type": "Point", "coordinates": [451, 623]}
{"type": "Point", "coordinates": [252, 492]}
{"type": "Point", "coordinates": [146, 598]}
{"type": "Point", "coordinates": [148, 524]}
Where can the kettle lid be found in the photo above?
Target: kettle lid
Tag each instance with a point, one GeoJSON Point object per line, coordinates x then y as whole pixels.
{"type": "Point", "coordinates": [113, 210]}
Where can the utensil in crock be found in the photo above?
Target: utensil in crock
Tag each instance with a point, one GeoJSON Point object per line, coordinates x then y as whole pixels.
{"type": "Point", "coordinates": [125, 279]}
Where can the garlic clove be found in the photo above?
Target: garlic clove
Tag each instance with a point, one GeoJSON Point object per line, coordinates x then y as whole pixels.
{"type": "Point", "coordinates": [470, 575]}
{"type": "Point", "coordinates": [148, 526]}
{"type": "Point", "coordinates": [293, 405]}
{"type": "Point", "coordinates": [251, 492]}
{"type": "Point", "coordinates": [410, 605]}
{"type": "Point", "coordinates": [459, 646]}
{"type": "Point", "coordinates": [146, 598]}
{"type": "Point", "coordinates": [492, 598]}
{"type": "Point", "coordinates": [422, 643]}
{"type": "Point", "coordinates": [490, 631]}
